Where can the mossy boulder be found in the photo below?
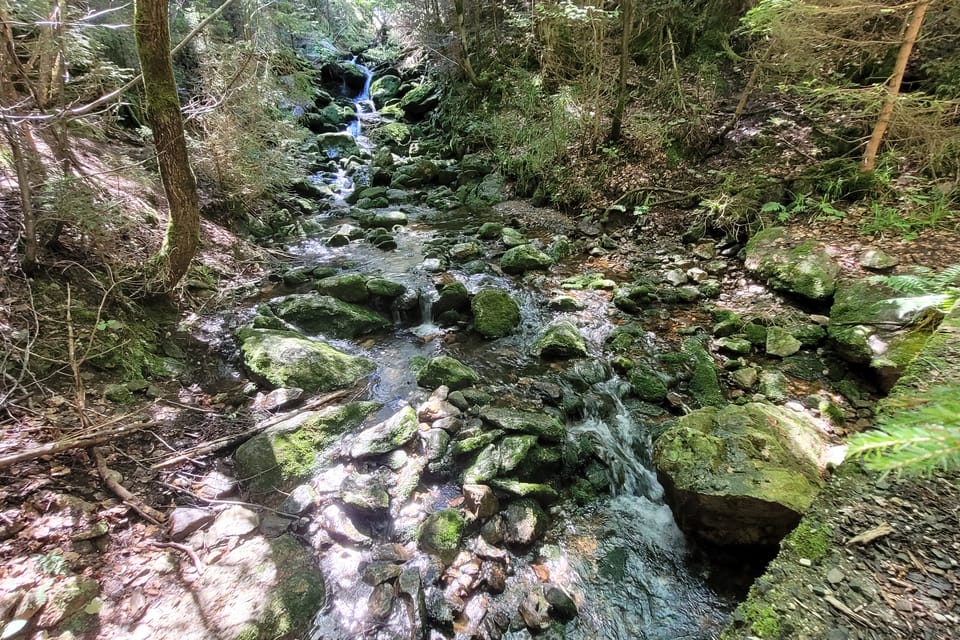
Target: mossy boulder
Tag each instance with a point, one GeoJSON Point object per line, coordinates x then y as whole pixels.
{"type": "Point", "coordinates": [648, 385]}
{"type": "Point", "coordinates": [453, 297]}
{"type": "Point", "coordinates": [704, 384]}
{"type": "Point", "coordinates": [560, 341]}
{"type": "Point", "coordinates": [349, 287]}
{"type": "Point", "coordinates": [420, 99]}
{"type": "Point", "coordinates": [524, 257]}
{"type": "Point", "coordinates": [741, 474]}
{"type": "Point", "coordinates": [383, 288]}
{"type": "Point", "coordinates": [537, 423]}
{"type": "Point", "coordinates": [441, 533]}
{"type": "Point", "coordinates": [487, 193]}
{"type": "Point", "coordinates": [795, 265]}
{"type": "Point", "coordinates": [276, 459]}
{"type": "Point", "coordinates": [446, 371]}
{"type": "Point", "coordinates": [317, 313]}
{"type": "Point", "coordinates": [384, 437]}
{"type": "Point", "coordinates": [384, 88]}
{"type": "Point", "coordinates": [872, 324]}
{"type": "Point", "coordinates": [288, 359]}
{"type": "Point", "coordinates": [495, 313]}
{"type": "Point", "coordinates": [384, 219]}
{"type": "Point", "coordinates": [337, 145]}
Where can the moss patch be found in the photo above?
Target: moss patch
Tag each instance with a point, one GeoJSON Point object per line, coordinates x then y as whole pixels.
{"type": "Point", "coordinates": [809, 540]}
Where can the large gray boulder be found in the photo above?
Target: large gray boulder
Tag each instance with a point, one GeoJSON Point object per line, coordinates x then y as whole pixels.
{"type": "Point", "coordinates": [741, 474]}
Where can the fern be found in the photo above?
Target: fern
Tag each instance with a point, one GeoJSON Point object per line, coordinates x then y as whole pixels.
{"type": "Point", "coordinates": [943, 288]}
{"type": "Point", "coordinates": [914, 442]}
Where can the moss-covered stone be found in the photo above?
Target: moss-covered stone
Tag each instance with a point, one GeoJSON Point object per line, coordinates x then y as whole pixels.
{"type": "Point", "coordinates": [490, 230]}
{"type": "Point", "coordinates": [647, 385]}
{"type": "Point", "coordinates": [453, 297]}
{"type": "Point", "coordinates": [349, 287]}
{"type": "Point", "coordinates": [542, 493]}
{"type": "Point", "coordinates": [288, 359]}
{"type": "Point", "coordinates": [446, 371]}
{"type": "Point", "coordinates": [740, 474]}
{"type": "Point", "coordinates": [525, 257]}
{"type": "Point", "coordinates": [383, 288]}
{"type": "Point", "coordinates": [392, 433]}
{"type": "Point", "coordinates": [384, 88]}
{"type": "Point", "coordinates": [318, 313]}
{"type": "Point", "coordinates": [704, 382]}
{"type": "Point", "coordinates": [561, 340]}
{"type": "Point", "coordinates": [288, 451]}
{"type": "Point", "coordinates": [795, 265]}
{"type": "Point", "coordinates": [536, 423]}
{"type": "Point", "coordinates": [495, 313]}
{"type": "Point", "coordinates": [441, 533]}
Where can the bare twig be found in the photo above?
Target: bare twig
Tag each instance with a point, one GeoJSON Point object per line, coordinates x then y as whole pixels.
{"type": "Point", "coordinates": [197, 563]}
{"type": "Point", "coordinates": [228, 441]}
{"type": "Point", "coordinates": [110, 479]}
{"type": "Point", "coordinates": [81, 441]}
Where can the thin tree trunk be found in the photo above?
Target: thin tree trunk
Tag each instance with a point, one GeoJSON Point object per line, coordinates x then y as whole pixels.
{"type": "Point", "coordinates": [615, 129]}
{"type": "Point", "coordinates": [163, 113]}
{"type": "Point", "coordinates": [893, 86]}
{"type": "Point", "coordinates": [467, 66]}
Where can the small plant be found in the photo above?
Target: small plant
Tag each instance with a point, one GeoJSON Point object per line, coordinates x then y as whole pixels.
{"type": "Point", "coordinates": [940, 290]}
{"type": "Point", "coordinates": [914, 442]}
{"type": "Point", "coordinates": [52, 563]}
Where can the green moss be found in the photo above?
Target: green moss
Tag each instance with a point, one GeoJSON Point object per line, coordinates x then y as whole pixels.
{"type": "Point", "coordinates": [441, 533]}
{"type": "Point", "coordinates": [495, 313]}
{"type": "Point", "coordinates": [647, 385]}
{"type": "Point", "coordinates": [704, 382]}
{"type": "Point", "coordinates": [762, 618]}
{"type": "Point", "coordinates": [810, 540]}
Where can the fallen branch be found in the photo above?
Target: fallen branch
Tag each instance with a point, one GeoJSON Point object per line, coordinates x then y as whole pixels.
{"type": "Point", "coordinates": [110, 479]}
{"type": "Point", "coordinates": [229, 441]}
{"type": "Point", "coordinates": [83, 441]}
{"type": "Point", "coordinates": [197, 563]}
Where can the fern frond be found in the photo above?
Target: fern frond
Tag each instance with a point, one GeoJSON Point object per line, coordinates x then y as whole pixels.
{"type": "Point", "coordinates": [908, 283]}
{"type": "Point", "coordinates": [915, 442]}
{"type": "Point", "coordinates": [948, 277]}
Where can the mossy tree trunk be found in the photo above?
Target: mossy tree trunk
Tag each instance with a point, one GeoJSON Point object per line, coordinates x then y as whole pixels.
{"type": "Point", "coordinates": [475, 80]}
{"type": "Point", "coordinates": [163, 114]}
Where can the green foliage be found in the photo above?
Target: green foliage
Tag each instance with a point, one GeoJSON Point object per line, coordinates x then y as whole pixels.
{"type": "Point", "coordinates": [52, 563]}
{"type": "Point", "coordinates": [762, 618]}
{"type": "Point", "coordinates": [913, 442]}
{"type": "Point", "coordinates": [810, 539]}
{"type": "Point", "coordinates": [938, 289]}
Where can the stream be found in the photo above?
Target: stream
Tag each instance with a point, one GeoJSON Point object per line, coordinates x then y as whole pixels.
{"type": "Point", "coordinates": [610, 565]}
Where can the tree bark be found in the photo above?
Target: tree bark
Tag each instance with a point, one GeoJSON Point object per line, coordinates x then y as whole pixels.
{"type": "Point", "coordinates": [467, 66]}
{"type": "Point", "coordinates": [893, 86]}
{"type": "Point", "coordinates": [627, 8]}
{"type": "Point", "coordinates": [163, 114]}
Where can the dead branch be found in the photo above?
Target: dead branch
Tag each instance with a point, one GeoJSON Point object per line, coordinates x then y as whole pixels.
{"type": "Point", "coordinates": [110, 479]}
{"type": "Point", "coordinates": [197, 564]}
{"type": "Point", "coordinates": [229, 441]}
{"type": "Point", "coordinates": [82, 441]}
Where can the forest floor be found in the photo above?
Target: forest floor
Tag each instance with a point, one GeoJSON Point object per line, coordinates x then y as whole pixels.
{"type": "Point", "coordinates": [56, 510]}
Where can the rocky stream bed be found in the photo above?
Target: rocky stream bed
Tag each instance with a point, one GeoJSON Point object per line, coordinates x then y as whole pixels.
{"type": "Point", "coordinates": [481, 419]}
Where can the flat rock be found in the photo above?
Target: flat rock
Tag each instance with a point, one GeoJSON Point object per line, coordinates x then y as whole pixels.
{"type": "Point", "coordinates": [185, 520]}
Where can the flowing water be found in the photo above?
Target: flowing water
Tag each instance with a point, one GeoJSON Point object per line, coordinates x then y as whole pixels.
{"type": "Point", "coordinates": [620, 557]}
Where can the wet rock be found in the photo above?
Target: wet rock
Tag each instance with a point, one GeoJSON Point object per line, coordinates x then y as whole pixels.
{"type": "Point", "coordinates": [324, 314]}
{"type": "Point", "coordinates": [480, 500]}
{"type": "Point", "coordinates": [420, 99]}
{"type": "Point", "coordinates": [465, 251]}
{"type": "Point", "coordinates": [277, 399]}
{"type": "Point", "coordinates": [513, 451]}
{"type": "Point", "coordinates": [349, 287]}
{"type": "Point", "coordinates": [471, 441]}
{"type": "Point", "coordinates": [745, 377]}
{"type": "Point", "coordinates": [525, 257]}
{"type": "Point", "coordinates": [384, 219]}
{"type": "Point", "coordinates": [704, 250]}
{"type": "Point", "coordinates": [734, 345]}
{"type": "Point", "coordinates": [586, 373]}
{"type": "Point", "coordinates": [185, 520]}
{"type": "Point", "coordinates": [488, 192]}
{"type": "Point", "coordinates": [564, 303]}
{"type": "Point", "coordinates": [494, 576]}
{"type": "Point", "coordinates": [773, 385]}
{"type": "Point", "coordinates": [441, 533]}
{"type": "Point", "coordinates": [490, 231]}
{"type": "Point", "coordinates": [524, 522]}
{"type": "Point", "coordinates": [336, 522]}
{"type": "Point", "coordinates": [343, 234]}
{"type": "Point", "coordinates": [299, 501]}
{"type": "Point", "coordinates": [542, 493]}
{"type": "Point", "coordinates": [484, 467]}
{"type": "Point", "coordinates": [675, 277]}
{"type": "Point", "coordinates": [381, 600]}
{"type": "Point", "coordinates": [704, 384]}
{"type": "Point", "coordinates": [740, 474]}
{"type": "Point", "coordinates": [877, 260]}
{"type": "Point", "coordinates": [383, 437]}
{"type": "Point", "coordinates": [365, 492]}
{"type": "Point", "coordinates": [452, 297]}
{"type": "Point", "coordinates": [411, 586]}
{"type": "Point", "coordinates": [278, 457]}
{"type": "Point", "coordinates": [495, 313]}
{"type": "Point", "coordinates": [561, 340]}
{"type": "Point", "coordinates": [493, 530]}
{"type": "Point", "coordinates": [539, 424]}
{"type": "Point", "coordinates": [535, 611]}
{"type": "Point", "coordinates": [380, 572]}
{"type": "Point", "coordinates": [436, 407]}
{"type": "Point", "coordinates": [647, 385]}
{"type": "Point", "coordinates": [781, 343]}
{"type": "Point", "coordinates": [384, 89]}
{"type": "Point", "coordinates": [446, 371]}
{"type": "Point", "coordinates": [435, 442]}
{"type": "Point", "coordinates": [288, 359]}
{"type": "Point", "coordinates": [337, 145]}
{"type": "Point", "coordinates": [792, 264]}
{"type": "Point", "coordinates": [385, 289]}
{"type": "Point", "coordinates": [562, 605]}
{"type": "Point", "coordinates": [391, 553]}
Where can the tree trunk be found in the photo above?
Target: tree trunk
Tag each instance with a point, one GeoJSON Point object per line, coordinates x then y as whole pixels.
{"type": "Point", "coordinates": [467, 66]}
{"type": "Point", "coordinates": [893, 86]}
{"type": "Point", "coordinates": [627, 8]}
{"type": "Point", "coordinates": [163, 114]}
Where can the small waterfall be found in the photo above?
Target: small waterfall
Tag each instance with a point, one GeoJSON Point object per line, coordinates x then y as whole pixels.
{"type": "Point", "coordinates": [428, 296]}
{"type": "Point", "coordinates": [363, 104]}
{"type": "Point", "coordinates": [618, 439]}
